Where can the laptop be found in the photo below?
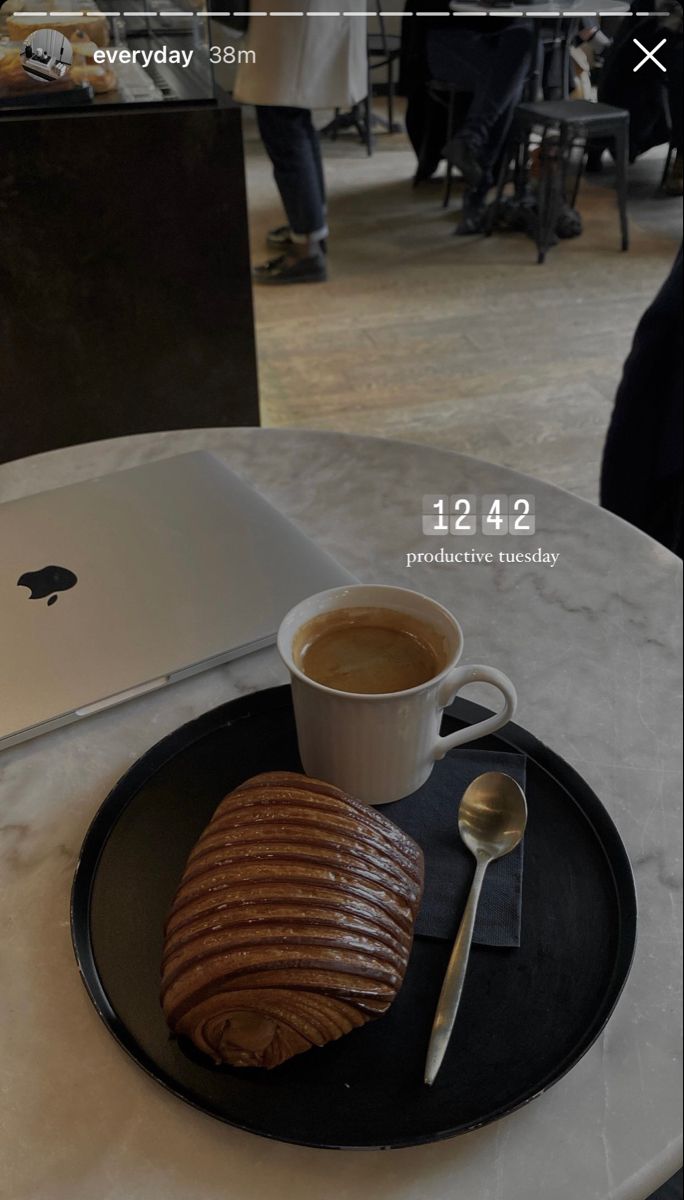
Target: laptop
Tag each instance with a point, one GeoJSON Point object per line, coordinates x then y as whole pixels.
{"type": "Point", "coordinates": [120, 585]}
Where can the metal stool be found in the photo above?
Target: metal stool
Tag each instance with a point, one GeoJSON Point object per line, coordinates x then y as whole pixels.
{"type": "Point", "coordinates": [571, 123]}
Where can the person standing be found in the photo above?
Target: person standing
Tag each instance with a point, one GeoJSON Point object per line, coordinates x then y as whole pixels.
{"type": "Point", "coordinates": [302, 63]}
{"type": "Point", "coordinates": [642, 474]}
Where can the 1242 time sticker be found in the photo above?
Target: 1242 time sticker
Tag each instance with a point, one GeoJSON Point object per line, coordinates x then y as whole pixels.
{"type": "Point", "coordinates": [464, 515]}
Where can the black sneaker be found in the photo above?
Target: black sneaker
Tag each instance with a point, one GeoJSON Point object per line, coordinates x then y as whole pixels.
{"type": "Point", "coordinates": [461, 155]}
{"type": "Point", "coordinates": [284, 270]}
{"type": "Point", "coordinates": [471, 221]}
{"type": "Point", "coordinates": [281, 239]}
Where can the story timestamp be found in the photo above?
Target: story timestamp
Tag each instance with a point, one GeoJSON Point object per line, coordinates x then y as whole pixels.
{"type": "Point", "coordinates": [495, 515]}
{"type": "Point", "coordinates": [230, 55]}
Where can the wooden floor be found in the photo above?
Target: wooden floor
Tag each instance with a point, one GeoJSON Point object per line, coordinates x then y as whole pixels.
{"type": "Point", "coordinates": [465, 343]}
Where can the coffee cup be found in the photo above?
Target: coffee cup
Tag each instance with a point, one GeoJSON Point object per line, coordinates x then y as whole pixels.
{"type": "Point", "coordinates": [372, 668]}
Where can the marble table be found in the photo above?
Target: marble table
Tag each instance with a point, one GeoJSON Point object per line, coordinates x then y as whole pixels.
{"type": "Point", "coordinates": [591, 645]}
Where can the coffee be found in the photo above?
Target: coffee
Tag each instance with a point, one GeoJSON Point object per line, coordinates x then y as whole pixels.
{"type": "Point", "coordinates": [369, 650]}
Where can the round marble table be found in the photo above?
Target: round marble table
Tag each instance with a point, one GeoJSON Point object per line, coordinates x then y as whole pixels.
{"type": "Point", "coordinates": [591, 645]}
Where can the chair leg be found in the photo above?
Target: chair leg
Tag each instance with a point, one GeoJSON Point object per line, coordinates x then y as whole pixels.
{"type": "Point", "coordinates": [425, 154]}
{"type": "Point", "coordinates": [490, 219]}
{"type": "Point", "coordinates": [520, 169]}
{"type": "Point", "coordinates": [553, 87]}
{"type": "Point", "coordinates": [567, 36]}
{"type": "Point", "coordinates": [334, 126]}
{"type": "Point", "coordinates": [579, 173]}
{"type": "Point", "coordinates": [566, 146]}
{"type": "Point", "coordinates": [565, 68]}
{"type": "Point", "coordinates": [666, 168]}
{"type": "Point", "coordinates": [547, 194]}
{"type": "Point", "coordinates": [369, 119]}
{"type": "Point", "coordinates": [621, 157]}
{"type": "Point", "coordinates": [531, 88]}
{"type": "Point", "coordinates": [542, 199]}
{"type": "Point", "coordinates": [390, 96]}
{"type": "Point", "coordinates": [450, 133]}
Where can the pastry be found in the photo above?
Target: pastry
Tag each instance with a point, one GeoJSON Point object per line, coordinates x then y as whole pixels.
{"type": "Point", "coordinates": [85, 70]}
{"type": "Point", "coordinates": [7, 9]}
{"type": "Point", "coordinates": [12, 74]}
{"type": "Point", "coordinates": [19, 25]}
{"type": "Point", "coordinates": [292, 924]}
{"type": "Point", "coordinates": [101, 79]}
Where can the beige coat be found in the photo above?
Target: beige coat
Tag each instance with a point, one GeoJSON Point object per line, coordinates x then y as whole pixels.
{"type": "Point", "coordinates": [305, 62]}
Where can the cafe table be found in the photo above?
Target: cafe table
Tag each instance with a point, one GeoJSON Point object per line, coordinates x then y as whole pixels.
{"type": "Point", "coordinates": [591, 644]}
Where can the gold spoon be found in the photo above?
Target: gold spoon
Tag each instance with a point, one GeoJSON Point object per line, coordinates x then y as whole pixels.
{"type": "Point", "coordinates": [491, 821]}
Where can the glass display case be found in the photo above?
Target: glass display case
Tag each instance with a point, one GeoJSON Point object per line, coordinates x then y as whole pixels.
{"type": "Point", "coordinates": [123, 228]}
{"type": "Point", "coordinates": [134, 58]}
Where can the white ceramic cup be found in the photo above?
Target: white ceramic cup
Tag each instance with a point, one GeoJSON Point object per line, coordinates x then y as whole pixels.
{"type": "Point", "coordinates": [382, 746]}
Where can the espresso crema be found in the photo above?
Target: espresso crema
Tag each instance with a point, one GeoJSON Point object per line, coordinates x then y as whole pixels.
{"type": "Point", "coordinates": [369, 650]}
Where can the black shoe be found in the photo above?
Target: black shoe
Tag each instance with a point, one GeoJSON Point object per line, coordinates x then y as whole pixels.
{"type": "Point", "coordinates": [512, 214]}
{"type": "Point", "coordinates": [469, 224]}
{"type": "Point", "coordinates": [423, 174]}
{"type": "Point", "coordinates": [461, 155]}
{"type": "Point", "coordinates": [427, 165]}
{"type": "Point", "coordinates": [471, 220]}
{"type": "Point", "coordinates": [291, 270]}
{"type": "Point", "coordinates": [473, 211]}
{"type": "Point", "coordinates": [281, 239]}
{"type": "Point", "coordinates": [569, 222]}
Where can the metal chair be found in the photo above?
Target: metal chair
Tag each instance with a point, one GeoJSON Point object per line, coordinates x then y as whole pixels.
{"type": "Point", "coordinates": [383, 49]}
{"type": "Point", "coordinates": [445, 95]}
{"type": "Point", "coordinates": [565, 125]}
{"type": "Point", "coordinates": [552, 46]}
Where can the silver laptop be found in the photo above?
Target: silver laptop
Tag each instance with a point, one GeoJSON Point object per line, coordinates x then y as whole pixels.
{"type": "Point", "coordinates": [120, 585]}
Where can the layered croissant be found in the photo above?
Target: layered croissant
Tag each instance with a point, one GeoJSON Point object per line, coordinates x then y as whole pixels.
{"type": "Point", "coordinates": [292, 924]}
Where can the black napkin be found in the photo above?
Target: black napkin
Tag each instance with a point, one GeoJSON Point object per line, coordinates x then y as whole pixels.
{"type": "Point", "coordinates": [430, 816]}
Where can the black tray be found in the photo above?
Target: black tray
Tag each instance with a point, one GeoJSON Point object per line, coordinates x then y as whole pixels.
{"type": "Point", "coordinates": [527, 1014]}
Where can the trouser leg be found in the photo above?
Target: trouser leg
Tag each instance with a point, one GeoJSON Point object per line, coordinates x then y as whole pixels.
{"type": "Point", "coordinates": [292, 146]}
{"type": "Point", "coordinates": [494, 68]}
{"type": "Point", "coordinates": [315, 143]}
{"type": "Point", "coordinates": [501, 87]}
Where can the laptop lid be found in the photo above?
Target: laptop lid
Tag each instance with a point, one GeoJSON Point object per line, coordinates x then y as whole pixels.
{"type": "Point", "coordinates": [119, 585]}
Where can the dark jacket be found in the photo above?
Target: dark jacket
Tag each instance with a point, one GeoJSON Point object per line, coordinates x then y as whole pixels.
{"type": "Point", "coordinates": [426, 119]}
{"type": "Point", "coordinates": [642, 474]}
{"type": "Point", "coordinates": [653, 99]}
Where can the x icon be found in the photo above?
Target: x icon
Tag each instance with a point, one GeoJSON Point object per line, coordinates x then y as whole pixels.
{"type": "Point", "coordinates": [650, 54]}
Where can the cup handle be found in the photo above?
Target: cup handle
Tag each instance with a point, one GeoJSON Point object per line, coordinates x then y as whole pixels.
{"type": "Point", "coordinates": [457, 678]}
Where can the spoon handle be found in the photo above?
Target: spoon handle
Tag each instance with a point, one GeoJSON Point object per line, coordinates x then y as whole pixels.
{"type": "Point", "coordinates": [452, 988]}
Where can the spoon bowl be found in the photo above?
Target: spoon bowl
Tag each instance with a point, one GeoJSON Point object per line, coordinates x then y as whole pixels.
{"type": "Point", "coordinates": [492, 815]}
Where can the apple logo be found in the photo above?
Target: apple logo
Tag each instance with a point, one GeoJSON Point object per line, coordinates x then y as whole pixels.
{"type": "Point", "coordinates": [47, 582]}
